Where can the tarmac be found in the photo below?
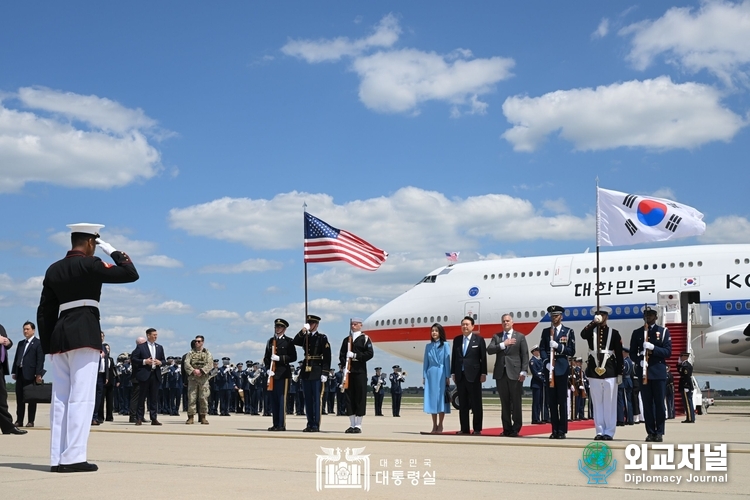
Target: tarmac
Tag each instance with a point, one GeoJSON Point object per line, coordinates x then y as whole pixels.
{"type": "Point", "coordinates": [237, 456]}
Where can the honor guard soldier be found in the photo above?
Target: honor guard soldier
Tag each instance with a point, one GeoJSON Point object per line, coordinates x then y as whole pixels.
{"type": "Point", "coordinates": [330, 389]}
{"type": "Point", "coordinates": [625, 391]}
{"type": "Point", "coordinates": [317, 363]}
{"type": "Point", "coordinates": [396, 378]}
{"type": "Point", "coordinates": [225, 384]}
{"type": "Point", "coordinates": [198, 366]}
{"type": "Point", "coordinates": [685, 369]}
{"type": "Point", "coordinates": [279, 357]}
{"type": "Point", "coordinates": [652, 346]}
{"type": "Point", "coordinates": [378, 390]}
{"type": "Point", "coordinates": [539, 411]}
{"type": "Point", "coordinates": [603, 369]}
{"type": "Point", "coordinates": [356, 350]}
{"type": "Point", "coordinates": [555, 347]}
{"type": "Point", "coordinates": [213, 383]}
{"type": "Point", "coordinates": [340, 398]}
{"type": "Point", "coordinates": [69, 330]}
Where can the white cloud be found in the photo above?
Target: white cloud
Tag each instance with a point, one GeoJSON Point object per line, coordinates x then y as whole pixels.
{"type": "Point", "coordinates": [654, 113]}
{"type": "Point", "coordinates": [558, 206]}
{"type": "Point", "coordinates": [140, 251]}
{"type": "Point", "coordinates": [329, 310]}
{"type": "Point", "coordinates": [385, 34]}
{"type": "Point", "coordinates": [218, 314]}
{"type": "Point", "coordinates": [74, 141]}
{"type": "Point", "coordinates": [429, 218]}
{"type": "Point", "coordinates": [246, 266]}
{"type": "Point", "coordinates": [121, 320]}
{"type": "Point", "coordinates": [715, 37]}
{"type": "Point", "coordinates": [399, 80]}
{"type": "Point", "coordinates": [171, 307]}
{"type": "Point", "coordinates": [159, 261]}
{"type": "Point", "coordinates": [24, 293]}
{"type": "Point", "coordinates": [727, 229]}
{"type": "Point", "coordinates": [602, 30]}
{"type": "Point", "coordinates": [217, 286]}
{"type": "Point", "coordinates": [666, 193]}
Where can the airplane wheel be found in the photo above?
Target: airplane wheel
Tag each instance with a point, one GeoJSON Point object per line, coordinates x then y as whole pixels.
{"type": "Point", "coordinates": [454, 400]}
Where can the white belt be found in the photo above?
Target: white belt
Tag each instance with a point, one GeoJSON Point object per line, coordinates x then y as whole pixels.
{"type": "Point", "coordinates": [79, 303]}
{"type": "Point", "coordinates": [606, 351]}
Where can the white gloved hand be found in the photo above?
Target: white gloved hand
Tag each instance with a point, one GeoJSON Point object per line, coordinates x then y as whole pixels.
{"type": "Point", "coordinates": [106, 247]}
{"type": "Point", "coordinates": [553, 344]}
{"type": "Point", "coordinates": [619, 380]}
{"type": "Point", "coordinates": [648, 345]}
{"type": "Point", "coordinates": [642, 364]}
{"type": "Point", "coordinates": [274, 357]}
{"type": "Point", "coordinates": [598, 318]}
{"type": "Point", "coordinates": [549, 367]}
{"type": "Point", "coordinates": [687, 390]}
{"type": "Point", "coordinates": [271, 373]}
{"type": "Point", "coordinates": [350, 354]}
{"type": "Point", "coordinates": [306, 327]}
{"type": "Point", "coordinates": [323, 378]}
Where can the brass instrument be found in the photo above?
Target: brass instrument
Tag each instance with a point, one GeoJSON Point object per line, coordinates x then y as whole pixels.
{"type": "Point", "coordinates": [381, 379]}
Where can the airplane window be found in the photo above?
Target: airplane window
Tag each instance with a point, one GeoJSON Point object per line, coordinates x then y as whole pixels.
{"type": "Point", "coordinates": [619, 268]}
{"type": "Point", "coordinates": [485, 276]}
{"type": "Point", "coordinates": [425, 319]}
{"type": "Point", "coordinates": [736, 261]}
{"type": "Point", "coordinates": [432, 319]}
{"type": "Point", "coordinates": [654, 266]}
{"type": "Point", "coordinates": [618, 310]}
{"type": "Point", "coordinates": [690, 264]}
{"type": "Point", "coordinates": [747, 305]}
{"type": "Point", "coordinates": [604, 269]}
{"type": "Point", "coordinates": [663, 266]}
{"type": "Point", "coordinates": [575, 312]}
{"type": "Point", "coordinates": [682, 264]}
{"type": "Point", "coordinates": [635, 310]}
{"type": "Point", "coordinates": [747, 261]}
{"type": "Point", "coordinates": [578, 271]}
{"type": "Point", "coordinates": [499, 276]}
{"type": "Point", "coordinates": [645, 266]}
{"type": "Point", "coordinates": [523, 275]}
{"type": "Point", "coordinates": [546, 273]}
{"type": "Point", "coordinates": [511, 314]}
{"type": "Point", "coordinates": [519, 315]}
{"type": "Point", "coordinates": [515, 275]}
{"type": "Point", "coordinates": [612, 269]}
{"type": "Point", "coordinates": [627, 309]}
{"type": "Point", "coordinates": [738, 305]}
{"type": "Point", "coordinates": [493, 276]}
{"type": "Point", "coordinates": [445, 318]}
{"type": "Point", "coordinates": [671, 265]}
{"type": "Point", "coordinates": [700, 263]}
{"type": "Point", "coordinates": [637, 268]}
{"type": "Point", "coordinates": [729, 306]}
{"type": "Point", "coordinates": [399, 321]}
{"type": "Point", "coordinates": [587, 270]}
{"type": "Point", "coordinates": [593, 309]}
{"type": "Point", "coordinates": [526, 314]}
{"type": "Point", "coordinates": [388, 322]}
{"type": "Point", "coordinates": [538, 273]}
{"type": "Point", "coordinates": [533, 314]}
{"type": "Point", "coordinates": [419, 320]}
{"type": "Point", "coordinates": [412, 321]}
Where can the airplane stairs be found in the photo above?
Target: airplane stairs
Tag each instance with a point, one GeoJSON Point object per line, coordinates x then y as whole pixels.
{"type": "Point", "coordinates": [678, 333]}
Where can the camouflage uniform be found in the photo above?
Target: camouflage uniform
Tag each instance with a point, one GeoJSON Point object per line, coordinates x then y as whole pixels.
{"type": "Point", "coordinates": [198, 390]}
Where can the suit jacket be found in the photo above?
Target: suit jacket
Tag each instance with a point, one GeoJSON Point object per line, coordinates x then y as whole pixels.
{"type": "Point", "coordinates": [474, 363]}
{"type": "Point", "coordinates": [657, 359]}
{"type": "Point", "coordinates": [566, 349]}
{"type": "Point", "coordinates": [4, 370]}
{"type": "Point", "coordinates": [33, 360]}
{"type": "Point", "coordinates": [142, 371]}
{"type": "Point", "coordinates": [512, 360]}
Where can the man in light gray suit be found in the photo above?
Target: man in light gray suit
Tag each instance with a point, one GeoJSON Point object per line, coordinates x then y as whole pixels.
{"type": "Point", "coordinates": [511, 365]}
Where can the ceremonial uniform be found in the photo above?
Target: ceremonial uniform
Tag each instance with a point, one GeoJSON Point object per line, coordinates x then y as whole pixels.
{"type": "Point", "coordinates": [378, 391]}
{"type": "Point", "coordinates": [330, 393]}
{"type": "Point", "coordinates": [539, 410]}
{"type": "Point", "coordinates": [360, 346]}
{"type": "Point", "coordinates": [69, 330]}
{"type": "Point", "coordinates": [225, 385]}
{"type": "Point", "coordinates": [198, 385]}
{"type": "Point", "coordinates": [340, 398]}
{"type": "Point", "coordinates": [557, 396]}
{"type": "Point", "coordinates": [213, 384]}
{"type": "Point", "coordinates": [625, 393]}
{"type": "Point", "coordinates": [281, 369]}
{"type": "Point", "coordinates": [317, 364]}
{"type": "Point", "coordinates": [396, 378]}
{"type": "Point", "coordinates": [654, 390]}
{"type": "Point", "coordinates": [685, 369]}
{"type": "Point", "coordinates": [603, 366]}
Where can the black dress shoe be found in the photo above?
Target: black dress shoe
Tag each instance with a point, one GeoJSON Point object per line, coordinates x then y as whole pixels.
{"type": "Point", "coordinates": [658, 438]}
{"type": "Point", "coordinates": [553, 435]}
{"type": "Point", "coordinates": [350, 430]}
{"type": "Point", "coordinates": [561, 435]}
{"type": "Point", "coordinates": [607, 437]}
{"type": "Point", "coordinates": [513, 434]}
{"type": "Point", "coordinates": [357, 430]}
{"type": "Point", "coordinates": [30, 424]}
{"type": "Point", "coordinates": [650, 437]}
{"type": "Point", "coordinates": [476, 433]}
{"type": "Point", "coordinates": [272, 428]}
{"type": "Point", "coordinates": [307, 429]}
{"type": "Point", "coordinates": [155, 422]}
{"type": "Point", "coordinates": [54, 468]}
{"type": "Point", "coordinates": [79, 467]}
{"type": "Point", "coordinates": [15, 430]}
{"type": "Point", "coordinates": [139, 422]}
{"type": "Point", "coordinates": [598, 437]}
{"type": "Point", "coordinates": [462, 433]}
{"type": "Point", "coordinates": [94, 422]}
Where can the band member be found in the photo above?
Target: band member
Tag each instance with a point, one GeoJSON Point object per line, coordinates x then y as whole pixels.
{"type": "Point", "coordinates": [378, 390]}
{"type": "Point", "coordinates": [652, 345]}
{"type": "Point", "coordinates": [356, 350]}
{"type": "Point", "coordinates": [558, 344]}
{"type": "Point", "coordinates": [686, 387]}
{"type": "Point", "coordinates": [604, 368]}
{"type": "Point", "coordinates": [396, 378]}
{"type": "Point", "coordinates": [317, 364]}
{"type": "Point", "coordinates": [279, 357]}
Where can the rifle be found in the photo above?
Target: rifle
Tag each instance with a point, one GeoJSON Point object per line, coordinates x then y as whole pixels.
{"type": "Point", "coordinates": [273, 364]}
{"type": "Point", "coordinates": [551, 358]}
{"type": "Point", "coordinates": [348, 365]}
{"type": "Point", "coordinates": [645, 354]}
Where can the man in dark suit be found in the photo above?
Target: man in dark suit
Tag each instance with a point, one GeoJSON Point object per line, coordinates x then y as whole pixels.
{"type": "Point", "coordinates": [6, 421]}
{"type": "Point", "coordinates": [28, 368]}
{"type": "Point", "coordinates": [560, 340]}
{"type": "Point", "coordinates": [511, 366]}
{"type": "Point", "coordinates": [147, 360]}
{"type": "Point", "coordinates": [469, 371]}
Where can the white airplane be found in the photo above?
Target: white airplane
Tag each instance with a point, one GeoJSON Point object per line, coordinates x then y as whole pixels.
{"type": "Point", "coordinates": [702, 294]}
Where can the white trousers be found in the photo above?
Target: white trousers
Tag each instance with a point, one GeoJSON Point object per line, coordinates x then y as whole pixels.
{"type": "Point", "coordinates": [73, 395]}
{"type": "Point", "coordinates": [603, 392]}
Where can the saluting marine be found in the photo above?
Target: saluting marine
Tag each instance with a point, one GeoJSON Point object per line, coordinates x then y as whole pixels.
{"type": "Point", "coordinates": [279, 357]}
{"type": "Point", "coordinates": [317, 363]}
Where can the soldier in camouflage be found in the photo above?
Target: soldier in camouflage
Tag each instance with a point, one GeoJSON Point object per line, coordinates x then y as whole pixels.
{"type": "Point", "coordinates": [198, 366]}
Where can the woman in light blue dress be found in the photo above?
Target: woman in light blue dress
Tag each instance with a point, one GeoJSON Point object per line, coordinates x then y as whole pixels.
{"type": "Point", "coordinates": [436, 372]}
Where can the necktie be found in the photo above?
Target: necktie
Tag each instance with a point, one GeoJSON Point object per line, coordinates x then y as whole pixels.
{"type": "Point", "coordinates": [26, 347]}
{"type": "Point", "coordinates": [466, 344]}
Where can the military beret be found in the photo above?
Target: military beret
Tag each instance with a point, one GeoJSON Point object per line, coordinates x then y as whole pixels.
{"type": "Point", "coordinates": [311, 318]}
{"type": "Point", "coordinates": [281, 322]}
{"type": "Point", "coordinates": [556, 310]}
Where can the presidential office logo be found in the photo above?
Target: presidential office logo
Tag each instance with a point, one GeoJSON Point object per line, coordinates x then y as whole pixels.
{"type": "Point", "coordinates": [331, 472]}
{"type": "Point", "coordinates": [597, 463]}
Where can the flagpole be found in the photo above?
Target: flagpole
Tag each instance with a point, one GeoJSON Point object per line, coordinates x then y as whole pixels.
{"type": "Point", "coordinates": [597, 244]}
{"type": "Point", "coordinates": [304, 224]}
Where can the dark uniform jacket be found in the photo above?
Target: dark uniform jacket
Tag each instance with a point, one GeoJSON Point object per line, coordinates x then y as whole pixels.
{"type": "Point", "coordinates": [317, 354]}
{"type": "Point", "coordinates": [287, 354]}
{"type": "Point", "coordinates": [4, 367]}
{"type": "Point", "coordinates": [77, 277]}
{"type": "Point", "coordinates": [657, 359]}
{"type": "Point", "coordinates": [374, 383]}
{"type": "Point", "coordinates": [537, 372]}
{"type": "Point", "coordinates": [613, 367]}
{"type": "Point", "coordinates": [566, 349]}
{"type": "Point", "coordinates": [363, 352]}
{"type": "Point", "coordinates": [686, 376]}
{"type": "Point", "coordinates": [396, 380]}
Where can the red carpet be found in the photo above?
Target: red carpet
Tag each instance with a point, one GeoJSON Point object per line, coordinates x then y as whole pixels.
{"type": "Point", "coordinates": [535, 429]}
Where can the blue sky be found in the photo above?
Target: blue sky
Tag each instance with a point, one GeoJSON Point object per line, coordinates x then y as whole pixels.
{"type": "Point", "coordinates": [195, 133]}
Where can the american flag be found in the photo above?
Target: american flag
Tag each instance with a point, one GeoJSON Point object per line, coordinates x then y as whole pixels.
{"type": "Point", "coordinates": [325, 243]}
{"type": "Point", "coordinates": [452, 256]}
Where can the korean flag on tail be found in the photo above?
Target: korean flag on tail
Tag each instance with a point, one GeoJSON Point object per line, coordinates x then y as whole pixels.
{"type": "Point", "coordinates": [628, 219]}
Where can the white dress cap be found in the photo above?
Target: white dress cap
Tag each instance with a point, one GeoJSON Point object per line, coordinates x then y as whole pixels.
{"type": "Point", "coordinates": [86, 228]}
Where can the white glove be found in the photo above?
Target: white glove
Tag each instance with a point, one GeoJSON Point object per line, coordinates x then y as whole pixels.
{"type": "Point", "coordinates": [648, 345]}
{"type": "Point", "coordinates": [350, 354]}
{"type": "Point", "coordinates": [580, 387]}
{"type": "Point", "coordinates": [553, 344]}
{"type": "Point", "coordinates": [274, 357]}
{"type": "Point", "coordinates": [687, 390]}
{"type": "Point", "coordinates": [642, 365]}
{"type": "Point", "coordinates": [306, 326]}
{"type": "Point", "coordinates": [271, 373]}
{"type": "Point", "coordinates": [598, 318]}
{"type": "Point", "coordinates": [106, 247]}
{"type": "Point", "coordinates": [619, 380]}
{"type": "Point", "coordinates": [323, 378]}
{"type": "Point", "coordinates": [549, 367]}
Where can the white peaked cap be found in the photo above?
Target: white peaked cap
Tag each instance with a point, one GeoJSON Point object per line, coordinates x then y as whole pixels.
{"type": "Point", "coordinates": [86, 228]}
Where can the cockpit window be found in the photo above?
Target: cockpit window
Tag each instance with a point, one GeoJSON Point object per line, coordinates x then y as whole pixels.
{"type": "Point", "coordinates": [428, 279]}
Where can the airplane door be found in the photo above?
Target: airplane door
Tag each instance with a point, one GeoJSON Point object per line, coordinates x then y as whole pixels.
{"type": "Point", "coordinates": [561, 275]}
{"type": "Point", "coordinates": [669, 302]}
{"type": "Point", "coordinates": [472, 309]}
